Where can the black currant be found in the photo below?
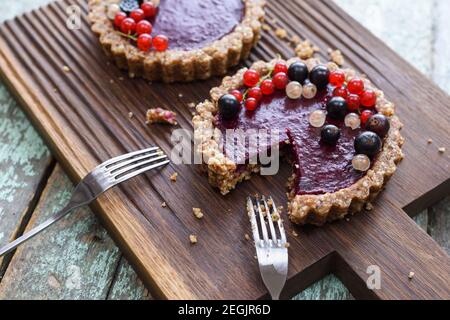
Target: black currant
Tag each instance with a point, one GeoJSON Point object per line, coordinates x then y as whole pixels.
{"type": "Point", "coordinates": [379, 124]}
{"type": "Point", "coordinates": [320, 76]}
{"type": "Point", "coordinates": [368, 143]}
{"type": "Point", "coordinates": [229, 106]}
{"type": "Point", "coordinates": [298, 71]}
{"type": "Point", "coordinates": [330, 134]}
{"type": "Point", "coordinates": [129, 5]}
{"type": "Point", "coordinates": [337, 108]}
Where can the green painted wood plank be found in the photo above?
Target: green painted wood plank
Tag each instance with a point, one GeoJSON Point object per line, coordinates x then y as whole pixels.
{"type": "Point", "coordinates": [127, 285]}
{"type": "Point", "coordinates": [74, 259]}
{"type": "Point", "coordinates": [329, 288]}
{"type": "Point", "coordinates": [24, 160]}
{"type": "Point", "coordinates": [441, 45]}
{"type": "Point", "coordinates": [439, 225]}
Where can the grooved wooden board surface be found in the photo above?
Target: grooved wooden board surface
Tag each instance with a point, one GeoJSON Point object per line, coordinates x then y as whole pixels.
{"type": "Point", "coordinates": [85, 121]}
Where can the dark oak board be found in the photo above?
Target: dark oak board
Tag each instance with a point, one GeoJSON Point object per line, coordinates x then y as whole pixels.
{"type": "Point", "coordinates": [84, 117]}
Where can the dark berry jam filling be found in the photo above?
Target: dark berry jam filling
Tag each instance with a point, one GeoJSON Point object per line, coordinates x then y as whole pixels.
{"type": "Point", "coordinates": [321, 168]}
{"type": "Point", "coordinates": [193, 24]}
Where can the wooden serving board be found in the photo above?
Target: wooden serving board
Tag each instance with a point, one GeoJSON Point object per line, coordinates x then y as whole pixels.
{"type": "Point", "coordinates": [83, 114]}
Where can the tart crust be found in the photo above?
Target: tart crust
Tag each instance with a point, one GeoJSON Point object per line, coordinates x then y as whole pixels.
{"type": "Point", "coordinates": [177, 65]}
{"type": "Point", "coordinates": [303, 209]}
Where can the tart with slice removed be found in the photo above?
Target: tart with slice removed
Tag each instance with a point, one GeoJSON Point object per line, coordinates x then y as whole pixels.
{"type": "Point", "coordinates": [177, 40]}
{"type": "Point", "coordinates": [338, 131]}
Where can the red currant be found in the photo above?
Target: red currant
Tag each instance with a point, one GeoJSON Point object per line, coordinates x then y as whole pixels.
{"type": "Point", "coordinates": [251, 104]}
{"type": "Point", "coordinates": [280, 80]}
{"type": "Point", "coordinates": [340, 92]}
{"type": "Point", "coordinates": [337, 78]}
{"type": "Point", "coordinates": [137, 15]}
{"type": "Point", "coordinates": [365, 116]}
{"type": "Point", "coordinates": [120, 16]}
{"type": "Point", "coordinates": [144, 27]}
{"type": "Point", "coordinates": [255, 93]}
{"type": "Point", "coordinates": [238, 95]}
{"type": "Point", "coordinates": [161, 43]}
{"type": "Point", "coordinates": [144, 42]}
{"type": "Point", "coordinates": [368, 99]}
{"type": "Point", "coordinates": [280, 67]}
{"type": "Point", "coordinates": [353, 102]}
{"type": "Point", "coordinates": [251, 78]}
{"type": "Point", "coordinates": [356, 86]}
{"type": "Point", "coordinates": [149, 9]}
{"type": "Point", "coordinates": [128, 26]}
{"type": "Point", "coordinates": [267, 87]}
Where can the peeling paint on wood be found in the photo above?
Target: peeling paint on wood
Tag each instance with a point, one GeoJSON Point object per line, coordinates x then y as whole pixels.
{"type": "Point", "coordinates": [23, 162]}
{"type": "Point", "coordinates": [74, 259]}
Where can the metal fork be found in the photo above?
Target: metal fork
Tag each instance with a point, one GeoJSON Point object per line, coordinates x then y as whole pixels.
{"type": "Point", "coordinates": [271, 250]}
{"type": "Point", "coordinates": [99, 180]}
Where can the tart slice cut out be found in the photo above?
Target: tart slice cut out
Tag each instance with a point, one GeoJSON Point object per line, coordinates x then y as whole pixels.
{"type": "Point", "coordinates": [338, 131]}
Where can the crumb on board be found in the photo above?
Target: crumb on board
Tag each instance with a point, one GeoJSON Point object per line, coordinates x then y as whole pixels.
{"type": "Point", "coordinates": [411, 275]}
{"type": "Point", "coordinates": [180, 95]}
{"type": "Point", "coordinates": [197, 213]}
{"type": "Point", "coordinates": [130, 114]}
{"type": "Point", "coordinates": [305, 50]}
{"type": "Point", "coordinates": [193, 239]}
{"type": "Point", "coordinates": [111, 81]}
{"type": "Point", "coordinates": [121, 78]}
{"type": "Point", "coordinates": [281, 33]}
{"type": "Point", "coordinates": [160, 115]}
{"type": "Point", "coordinates": [266, 27]}
{"type": "Point", "coordinates": [294, 233]}
{"type": "Point", "coordinates": [336, 57]}
{"type": "Point", "coordinates": [442, 150]}
{"type": "Point", "coordinates": [174, 177]}
{"type": "Point", "coordinates": [295, 40]}
{"type": "Point", "coordinates": [247, 237]}
{"type": "Point", "coordinates": [191, 105]}
{"type": "Point", "coordinates": [66, 69]}
{"type": "Point", "coordinates": [287, 245]}
{"type": "Point", "coordinates": [347, 219]}
{"type": "Point", "coordinates": [369, 207]}
{"type": "Point", "coordinates": [276, 217]}
{"type": "Point", "coordinates": [164, 205]}
{"type": "Point", "coordinates": [430, 141]}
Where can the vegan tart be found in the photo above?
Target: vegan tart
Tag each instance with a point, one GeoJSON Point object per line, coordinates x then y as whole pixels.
{"type": "Point", "coordinates": [177, 40]}
{"type": "Point", "coordinates": [339, 132]}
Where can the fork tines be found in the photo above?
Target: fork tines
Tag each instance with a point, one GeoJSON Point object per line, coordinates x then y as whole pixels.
{"type": "Point", "coordinates": [268, 214]}
{"type": "Point", "coordinates": [132, 164]}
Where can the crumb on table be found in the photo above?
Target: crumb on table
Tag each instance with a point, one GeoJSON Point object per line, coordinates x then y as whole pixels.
{"type": "Point", "coordinates": [160, 115]}
{"type": "Point", "coordinates": [164, 205]}
{"type": "Point", "coordinates": [442, 150]}
{"type": "Point", "coordinates": [193, 239]}
{"type": "Point", "coordinates": [337, 57]}
{"type": "Point", "coordinates": [197, 213]}
{"type": "Point", "coordinates": [247, 237]}
{"type": "Point", "coordinates": [66, 69]}
{"type": "Point", "coordinates": [305, 50]}
{"type": "Point", "coordinates": [294, 233]}
{"type": "Point", "coordinates": [174, 177]}
{"type": "Point", "coordinates": [281, 33]}
{"type": "Point", "coordinates": [411, 275]}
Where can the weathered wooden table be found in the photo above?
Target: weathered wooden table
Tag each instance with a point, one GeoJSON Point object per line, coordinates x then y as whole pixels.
{"type": "Point", "coordinates": [76, 259]}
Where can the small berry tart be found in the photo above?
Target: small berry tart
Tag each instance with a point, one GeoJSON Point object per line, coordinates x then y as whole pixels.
{"type": "Point", "coordinates": [339, 132]}
{"type": "Point", "coordinates": [177, 40]}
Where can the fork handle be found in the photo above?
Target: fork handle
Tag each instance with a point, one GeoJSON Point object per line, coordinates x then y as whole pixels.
{"type": "Point", "coordinates": [33, 232]}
